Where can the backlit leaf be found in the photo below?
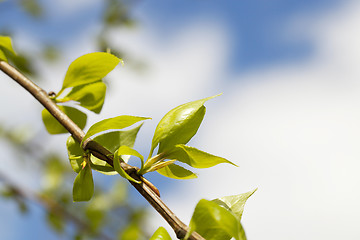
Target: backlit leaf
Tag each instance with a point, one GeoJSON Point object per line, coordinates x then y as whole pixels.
{"type": "Point", "coordinates": [54, 127]}
{"type": "Point", "coordinates": [75, 153]}
{"type": "Point", "coordinates": [5, 45]}
{"type": "Point", "coordinates": [89, 68]}
{"type": "Point", "coordinates": [214, 222]}
{"type": "Point", "coordinates": [176, 172]}
{"type": "Point", "coordinates": [112, 141]}
{"type": "Point", "coordinates": [101, 166]}
{"type": "Point", "coordinates": [119, 169]}
{"type": "Point", "coordinates": [127, 151]}
{"type": "Point", "coordinates": [90, 96]}
{"type": "Point", "coordinates": [235, 203]}
{"type": "Point", "coordinates": [119, 122]}
{"type": "Point", "coordinates": [195, 157]}
{"type": "Point", "coordinates": [160, 234]}
{"type": "Point", "coordinates": [83, 188]}
{"type": "Point", "coordinates": [179, 125]}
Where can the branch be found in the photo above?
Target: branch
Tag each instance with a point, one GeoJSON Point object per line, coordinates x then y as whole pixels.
{"type": "Point", "coordinates": [49, 204]}
{"type": "Point", "coordinates": [145, 188]}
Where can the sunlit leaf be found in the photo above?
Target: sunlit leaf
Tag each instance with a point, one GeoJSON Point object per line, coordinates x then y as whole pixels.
{"type": "Point", "coordinates": [101, 166]}
{"type": "Point", "coordinates": [179, 125]}
{"type": "Point", "coordinates": [235, 203]}
{"type": "Point", "coordinates": [127, 151]}
{"type": "Point", "coordinates": [195, 157]}
{"type": "Point", "coordinates": [89, 68]}
{"type": "Point", "coordinates": [160, 234]}
{"type": "Point", "coordinates": [54, 127]}
{"type": "Point", "coordinates": [75, 153]}
{"type": "Point", "coordinates": [119, 122]}
{"type": "Point", "coordinates": [112, 141]}
{"type": "Point", "coordinates": [177, 172]}
{"type": "Point", "coordinates": [214, 222]}
{"type": "Point", "coordinates": [90, 96]}
{"type": "Point", "coordinates": [5, 45]}
{"type": "Point", "coordinates": [83, 188]}
{"type": "Point", "coordinates": [2, 56]}
{"type": "Point", "coordinates": [119, 169]}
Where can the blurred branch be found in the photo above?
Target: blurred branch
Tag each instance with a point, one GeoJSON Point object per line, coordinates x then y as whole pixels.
{"type": "Point", "coordinates": [49, 204]}
{"type": "Point", "coordinates": [145, 188]}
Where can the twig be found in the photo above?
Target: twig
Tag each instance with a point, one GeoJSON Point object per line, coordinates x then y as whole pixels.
{"type": "Point", "coordinates": [146, 190]}
{"type": "Point", "coordinates": [49, 204]}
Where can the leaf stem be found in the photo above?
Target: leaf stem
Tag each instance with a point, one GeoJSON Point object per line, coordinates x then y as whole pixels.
{"type": "Point", "coordinates": [99, 151]}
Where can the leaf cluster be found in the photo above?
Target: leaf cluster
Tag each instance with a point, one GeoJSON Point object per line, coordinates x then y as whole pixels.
{"type": "Point", "coordinates": [83, 87]}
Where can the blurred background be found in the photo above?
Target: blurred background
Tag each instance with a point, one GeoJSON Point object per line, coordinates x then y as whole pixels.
{"type": "Point", "coordinates": [289, 115]}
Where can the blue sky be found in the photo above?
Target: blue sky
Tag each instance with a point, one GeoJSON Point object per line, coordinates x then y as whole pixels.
{"type": "Point", "coordinates": [288, 116]}
{"type": "Point", "coordinates": [256, 28]}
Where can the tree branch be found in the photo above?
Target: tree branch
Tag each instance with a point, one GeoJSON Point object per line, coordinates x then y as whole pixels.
{"type": "Point", "coordinates": [49, 204]}
{"type": "Point", "coordinates": [145, 188]}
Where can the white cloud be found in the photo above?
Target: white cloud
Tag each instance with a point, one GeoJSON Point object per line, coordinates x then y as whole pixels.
{"type": "Point", "coordinates": [294, 131]}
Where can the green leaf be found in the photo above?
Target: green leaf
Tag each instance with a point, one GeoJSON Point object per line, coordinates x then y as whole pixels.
{"type": "Point", "coordinates": [235, 203]}
{"type": "Point", "coordinates": [83, 188]}
{"type": "Point", "coordinates": [214, 222]}
{"type": "Point", "coordinates": [5, 45]}
{"type": "Point", "coordinates": [160, 234]}
{"type": "Point", "coordinates": [89, 68]}
{"type": "Point", "coordinates": [119, 122]}
{"type": "Point", "coordinates": [179, 125]}
{"type": "Point", "coordinates": [2, 56]}
{"type": "Point", "coordinates": [119, 169]}
{"type": "Point", "coordinates": [101, 166]}
{"type": "Point", "coordinates": [176, 172]}
{"type": "Point", "coordinates": [127, 151]}
{"type": "Point", "coordinates": [89, 96]}
{"type": "Point", "coordinates": [195, 157]}
{"type": "Point", "coordinates": [54, 127]}
{"type": "Point", "coordinates": [112, 141]}
{"type": "Point", "coordinates": [75, 153]}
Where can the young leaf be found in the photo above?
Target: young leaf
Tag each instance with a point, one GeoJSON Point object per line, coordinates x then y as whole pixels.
{"type": "Point", "coordinates": [125, 150]}
{"type": "Point", "coordinates": [5, 45]}
{"type": "Point", "coordinates": [119, 169]}
{"type": "Point", "coordinates": [179, 125]}
{"type": "Point", "coordinates": [214, 222]}
{"type": "Point", "coordinates": [89, 96]}
{"type": "Point", "coordinates": [176, 172]}
{"type": "Point", "coordinates": [113, 140]}
{"type": "Point", "coordinates": [89, 68]}
{"type": "Point", "coordinates": [54, 127]}
{"type": "Point", "coordinates": [195, 157]}
{"type": "Point", "coordinates": [2, 55]}
{"type": "Point", "coordinates": [83, 188]}
{"type": "Point", "coordinates": [101, 166]}
{"type": "Point", "coordinates": [235, 203]}
{"type": "Point", "coordinates": [75, 153]}
{"type": "Point", "coordinates": [160, 234]}
{"type": "Point", "coordinates": [112, 123]}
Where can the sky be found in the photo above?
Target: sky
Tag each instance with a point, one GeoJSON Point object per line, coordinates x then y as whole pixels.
{"type": "Point", "coordinates": [288, 115]}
